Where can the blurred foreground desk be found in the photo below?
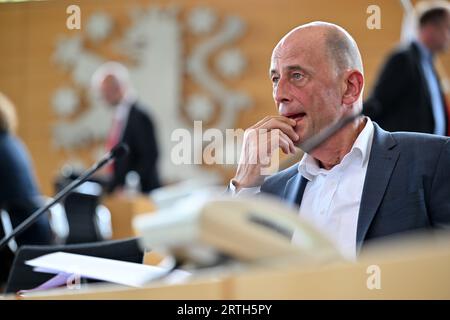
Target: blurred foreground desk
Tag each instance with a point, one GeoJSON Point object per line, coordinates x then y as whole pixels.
{"type": "Point", "coordinates": [407, 272]}
{"type": "Point", "coordinates": [123, 209]}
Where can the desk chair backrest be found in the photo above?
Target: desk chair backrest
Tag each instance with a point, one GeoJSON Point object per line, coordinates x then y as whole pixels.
{"type": "Point", "coordinates": [81, 213]}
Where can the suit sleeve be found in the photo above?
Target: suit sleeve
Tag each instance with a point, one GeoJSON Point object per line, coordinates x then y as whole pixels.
{"type": "Point", "coordinates": [19, 210]}
{"type": "Point", "coordinates": [439, 209]}
{"type": "Point", "coordinates": [20, 194]}
{"type": "Point", "coordinates": [391, 84]}
{"type": "Point", "coordinates": [147, 156]}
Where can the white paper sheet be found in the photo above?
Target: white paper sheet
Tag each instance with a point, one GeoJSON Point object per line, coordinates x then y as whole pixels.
{"type": "Point", "coordinates": [121, 272]}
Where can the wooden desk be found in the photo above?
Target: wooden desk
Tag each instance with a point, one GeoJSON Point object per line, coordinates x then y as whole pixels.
{"type": "Point", "coordinates": [201, 290]}
{"type": "Point", "coordinates": [123, 209]}
{"type": "Point", "coordinates": [412, 272]}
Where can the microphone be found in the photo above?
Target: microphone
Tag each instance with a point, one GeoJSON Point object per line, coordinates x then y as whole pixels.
{"type": "Point", "coordinates": [315, 141]}
{"type": "Point", "coordinates": [117, 152]}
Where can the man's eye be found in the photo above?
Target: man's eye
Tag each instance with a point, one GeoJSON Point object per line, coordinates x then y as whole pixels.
{"type": "Point", "coordinates": [275, 79]}
{"type": "Point", "coordinates": [297, 76]}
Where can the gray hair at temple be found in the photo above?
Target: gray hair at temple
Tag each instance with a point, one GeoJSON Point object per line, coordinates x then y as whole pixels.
{"type": "Point", "coordinates": [8, 118]}
{"type": "Point", "coordinates": [344, 53]}
{"type": "Point", "coordinates": [341, 47]}
{"type": "Point", "coordinates": [343, 50]}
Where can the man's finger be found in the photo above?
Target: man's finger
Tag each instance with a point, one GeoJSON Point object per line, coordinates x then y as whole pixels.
{"type": "Point", "coordinates": [291, 144]}
{"type": "Point", "coordinates": [286, 128]}
{"type": "Point", "coordinates": [286, 120]}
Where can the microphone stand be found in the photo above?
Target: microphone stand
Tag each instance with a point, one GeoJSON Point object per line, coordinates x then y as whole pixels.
{"type": "Point", "coordinates": [315, 141]}
{"type": "Point", "coordinates": [117, 151]}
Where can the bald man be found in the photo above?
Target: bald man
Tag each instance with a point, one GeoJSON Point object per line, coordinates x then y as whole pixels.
{"type": "Point", "coordinates": [362, 183]}
{"type": "Point", "coordinates": [131, 125]}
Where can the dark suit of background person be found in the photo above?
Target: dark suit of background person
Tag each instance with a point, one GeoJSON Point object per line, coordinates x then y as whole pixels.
{"type": "Point", "coordinates": [139, 135]}
{"type": "Point", "coordinates": [406, 188]}
{"type": "Point", "coordinates": [19, 194]}
{"type": "Point", "coordinates": [131, 124]}
{"type": "Point", "coordinates": [408, 95]}
{"type": "Point", "coordinates": [401, 99]}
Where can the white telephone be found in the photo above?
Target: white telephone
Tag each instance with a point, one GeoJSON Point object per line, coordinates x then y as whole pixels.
{"type": "Point", "coordinates": [247, 229]}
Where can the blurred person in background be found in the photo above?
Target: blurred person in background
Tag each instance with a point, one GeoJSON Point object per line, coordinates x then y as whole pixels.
{"type": "Point", "coordinates": [408, 94]}
{"type": "Point", "coordinates": [19, 193]}
{"type": "Point", "coordinates": [131, 125]}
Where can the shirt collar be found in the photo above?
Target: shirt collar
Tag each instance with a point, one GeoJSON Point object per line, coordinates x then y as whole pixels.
{"type": "Point", "coordinates": [309, 167]}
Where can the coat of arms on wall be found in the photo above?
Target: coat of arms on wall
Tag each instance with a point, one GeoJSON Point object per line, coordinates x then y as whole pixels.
{"type": "Point", "coordinates": [152, 45]}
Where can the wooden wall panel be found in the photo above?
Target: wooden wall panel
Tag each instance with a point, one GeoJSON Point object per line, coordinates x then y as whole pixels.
{"type": "Point", "coordinates": [28, 32]}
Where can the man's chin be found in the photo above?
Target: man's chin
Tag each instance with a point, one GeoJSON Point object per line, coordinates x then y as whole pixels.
{"type": "Point", "coordinates": [300, 141]}
{"type": "Point", "coordinates": [300, 131]}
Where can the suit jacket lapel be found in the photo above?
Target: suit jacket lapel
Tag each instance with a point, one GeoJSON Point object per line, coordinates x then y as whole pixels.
{"type": "Point", "coordinates": [295, 187]}
{"type": "Point", "coordinates": [129, 120]}
{"type": "Point", "coordinates": [383, 158]}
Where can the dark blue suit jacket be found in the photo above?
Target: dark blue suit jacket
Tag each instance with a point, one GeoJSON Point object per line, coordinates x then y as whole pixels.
{"type": "Point", "coordinates": [401, 100]}
{"type": "Point", "coordinates": [19, 194]}
{"type": "Point", "coordinates": [407, 185]}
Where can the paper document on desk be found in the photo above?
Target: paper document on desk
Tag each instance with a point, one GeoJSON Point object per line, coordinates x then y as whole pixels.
{"type": "Point", "coordinates": [121, 272]}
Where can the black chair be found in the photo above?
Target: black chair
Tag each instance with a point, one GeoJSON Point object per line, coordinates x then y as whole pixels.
{"type": "Point", "coordinates": [80, 207]}
{"type": "Point", "coordinates": [80, 211]}
{"type": "Point", "coordinates": [23, 277]}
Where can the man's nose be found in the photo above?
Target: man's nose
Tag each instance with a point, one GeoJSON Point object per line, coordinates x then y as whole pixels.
{"type": "Point", "coordinates": [281, 92]}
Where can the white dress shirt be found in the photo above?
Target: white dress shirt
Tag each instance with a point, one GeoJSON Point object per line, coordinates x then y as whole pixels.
{"type": "Point", "coordinates": [332, 197]}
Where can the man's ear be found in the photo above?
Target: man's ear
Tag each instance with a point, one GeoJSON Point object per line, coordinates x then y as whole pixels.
{"type": "Point", "coordinates": [353, 87]}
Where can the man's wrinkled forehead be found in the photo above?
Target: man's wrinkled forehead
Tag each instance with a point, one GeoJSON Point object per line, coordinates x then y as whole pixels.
{"type": "Point", "coordinates": [285, 46]}
{"type": "Point", "coordinates": [298, 47]}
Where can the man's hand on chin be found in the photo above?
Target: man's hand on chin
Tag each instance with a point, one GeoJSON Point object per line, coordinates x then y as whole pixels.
{"type": "Point", "coordinates": [260, 141]}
